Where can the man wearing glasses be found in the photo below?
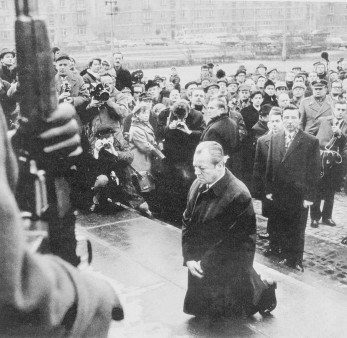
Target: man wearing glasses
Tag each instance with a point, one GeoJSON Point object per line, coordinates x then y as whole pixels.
{"type": "Point", "coordinates": [313, 108]}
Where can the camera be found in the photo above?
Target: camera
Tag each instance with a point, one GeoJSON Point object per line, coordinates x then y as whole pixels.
{"type": "Point", "coordinates": [180, 124]}
{"type": "Point", "coordinates": [106, 144]}
{"type": "Point", "coordinates": [66, 86]}
{"type": "Point", "coordinates": [100, 93]}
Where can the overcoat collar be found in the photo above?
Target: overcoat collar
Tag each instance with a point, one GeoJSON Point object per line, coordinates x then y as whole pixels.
{"type": "Point", "coordinates": [319, 109]}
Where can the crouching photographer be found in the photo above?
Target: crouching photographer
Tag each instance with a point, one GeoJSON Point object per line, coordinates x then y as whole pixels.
{"type": "Point", "coordinates": [111, 174]}
{"type": "Point", "coordinates": [108, 107]}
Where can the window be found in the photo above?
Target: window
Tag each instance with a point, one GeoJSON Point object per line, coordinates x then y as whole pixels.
{"type": "Point", "coordinates": [81, 16]}
{"type": "Point", "coordinates": [63, 32]}
{"type": "Point", "coordinates": [331, 20]}
{"type": "Point", "coordinates": [147, 15]}
{"type": "Point", "coordinates": [62, 18]}
{"type": "Point", "coordinates": [331, 9]}
{"type": "Point", "coordinates": [163, 3]}
{"type": "Point", "coordinates": [81, 4]}
{"type": "Point", "coordinates": [3, 4]}
{"type": "Point", "coordinates": [51, 20]}
{"type": "Point", "coordinates": [210, 14]}
{"type": "Point", "coordinates": [146, 28]}
{"type": "Point", "coordinates": [82, 30]}
{"type": "Point", "coordinates": [61, 3]}
{"type": "Point", "coordinates": [5, 35]}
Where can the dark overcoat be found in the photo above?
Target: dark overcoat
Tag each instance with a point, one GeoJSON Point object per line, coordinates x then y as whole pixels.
{"type": "Point", "coordinates": [223, 130]}
{"type": "Point", "coordinates": [291, 177]}
{"type": "Point", "coordinates": [293, 174]}
{"type": "Point", "coordinates": [219, 229]}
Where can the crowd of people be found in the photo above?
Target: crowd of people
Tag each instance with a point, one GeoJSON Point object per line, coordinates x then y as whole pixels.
{"type": "Point", "coordinates": [284, 135]}
{"type": "Point", "coordinates": [149, 143]}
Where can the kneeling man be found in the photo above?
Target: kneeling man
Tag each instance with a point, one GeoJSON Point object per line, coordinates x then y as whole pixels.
{"type": "Point", "coordinates": [219, 232]}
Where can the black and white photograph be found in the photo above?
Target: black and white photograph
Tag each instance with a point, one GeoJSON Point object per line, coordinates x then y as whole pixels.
{"type": "Point", "coordinates": [173, 168]}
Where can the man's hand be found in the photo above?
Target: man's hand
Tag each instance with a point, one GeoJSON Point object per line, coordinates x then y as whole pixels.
{"type": "Point", "coordinates": [195, 269]}
{"type": "Point", "coordinates": [269, 197]}
{"type": "Point", "coordinates": [62, 136]}
{"type": "Point", "coordinates": [173, 125]}
{"type": "Point", "coordinates": [111, 149]}
{"type": "Point", "coordinates": [95, 103]}
{"type": "Point", "coordinates": [182, 126]}
{"type": "Point", "coordinates": [98, 145]}
{"type": "Point", "coordinates": [307, 203]}
{"type": "Point", "coordinates": [63, 96]}
{"type": "Point", "coordinates": [337, 131]}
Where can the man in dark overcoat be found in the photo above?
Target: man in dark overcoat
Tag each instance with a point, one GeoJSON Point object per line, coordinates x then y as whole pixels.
{"type": "Point", "coordinates": [292, 175]}
{"type": "Point", "coordinates": [221, 128]}
{"type": "Point", "coordinates": [259, 172]}
{"type": "Point", "coordinates": [313, 108]}
{"type": "Point", "coordinates": [218, 239]}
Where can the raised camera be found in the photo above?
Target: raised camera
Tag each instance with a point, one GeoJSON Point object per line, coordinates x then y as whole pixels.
{"type": "Point", "coordinates": [100, 93]}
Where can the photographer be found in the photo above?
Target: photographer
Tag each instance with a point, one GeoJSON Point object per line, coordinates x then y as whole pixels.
{"type": "Point", "coordinates": [180, 128]}
{"type": "Point", "coordinates": [70, 87]}
{"type": "Point", "coordinates": [108, 106]}
{"type": "Point", "coordinates": [110, 172]}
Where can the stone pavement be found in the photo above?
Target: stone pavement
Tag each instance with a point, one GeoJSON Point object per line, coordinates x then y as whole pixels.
{"type": "Point", "coordinates": [143, 258]}
{"type": "Point", "coordinates": [324, 254]}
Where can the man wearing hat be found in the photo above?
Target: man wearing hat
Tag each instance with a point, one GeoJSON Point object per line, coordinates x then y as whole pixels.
{"type": "Point", "coordinates": [280, 88]}
{"type": "Point", "coordinates": [210, 69]}
{"type": "Point", "coordinates": [240, 76]}
{"type": "Point", "coordinates": [222, 83]}
{"type": "Point", "coordinates": [269, 94]}
{"type": "Point", "coordinates": [69, 86]}
{"type": "Point", "coordinates": [272, 74]}
{"type": "Point", "coordinates": [232, 89]}
{"type": "Point", "coordinates": [189, 87]}
{"type": "Point", "coordinates": [298, 94]}
{"type": "Point", "coordinates": [313, 108]}
{"type": "Point", "coordinates": [243, 100]}
{"type": "Point", "coordinates": [296, 69]}
{"type": "Point", "coordinates": [7, 72]}
{"type": "Point", "coordinates": [211, 90]}
{"type": "Point", "coordinates": [261, 70]}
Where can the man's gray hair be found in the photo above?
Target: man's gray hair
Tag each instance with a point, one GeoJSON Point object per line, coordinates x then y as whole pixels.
{"type": "Point", "coordinates": [214, 149]}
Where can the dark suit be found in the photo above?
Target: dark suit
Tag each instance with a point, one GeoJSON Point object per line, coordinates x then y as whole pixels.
{"type": "Point", "coordinates": [179, 149]}
{"type": "Point", "coordinates": [219, 229]}
{"type": "Point", "coordinates": [331, 176]}
{"type": "Point", "coordinates": [292, 177]}
{"type": "Point", "coordinates": [259, 172]}
{"type": "Point", "coordinates": [223, 130]}
{"type": "Point", "coordinates": [311, 113]}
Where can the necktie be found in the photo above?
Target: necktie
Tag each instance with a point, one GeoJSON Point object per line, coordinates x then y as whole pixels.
{"type": "Point", "coordinates": [289, 141]}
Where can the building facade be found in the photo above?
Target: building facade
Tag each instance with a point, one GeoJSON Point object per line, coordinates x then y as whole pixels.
{"type": "Point", "coordinates": [79, 21]}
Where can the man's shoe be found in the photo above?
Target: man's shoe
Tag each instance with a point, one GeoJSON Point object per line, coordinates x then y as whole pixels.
{"type": "Point", "coordinates": [264, 235]}
{"type": "Point", "coordinates": [329, 222]}
{"type": "Point", "coordinates": [299, 267]}
{"type": "Point", "coordinates": [268, 301]}
{"type": "Point", "coordinates": [314, 223]}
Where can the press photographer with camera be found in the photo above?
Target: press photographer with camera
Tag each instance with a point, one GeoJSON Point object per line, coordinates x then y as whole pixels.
{"type": "Point", "coordinates": [69, 86]}
{"type": "Point", "coordinates": [107, 106]}
{"type": "Point", "coordinates": [180, 128]}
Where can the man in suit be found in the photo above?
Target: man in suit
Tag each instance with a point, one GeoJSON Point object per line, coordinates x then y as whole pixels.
{"type": "Point", "coordinates": [330, 135]}
{"type": "Point", "coordinates": [221, 128]}
{"type": "Point", "coordinates": [259, 170]}
{"type": "Point", "coordinates": [313, 108]}
{"type": "Point", "coordinates": [292, 174]}
{"type": "Point", "coordinates": [218, 242]}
